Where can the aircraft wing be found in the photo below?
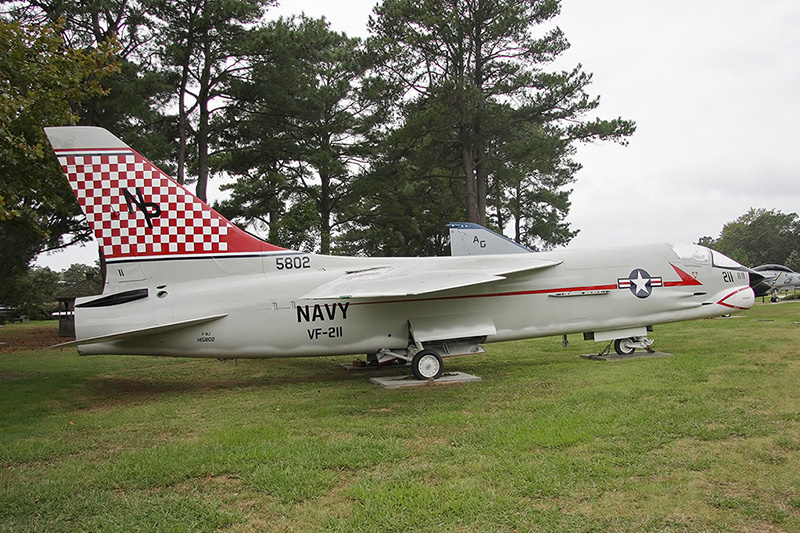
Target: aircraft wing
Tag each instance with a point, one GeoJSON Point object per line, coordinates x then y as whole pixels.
{"type": "Point", "coordinates": [406, 280]}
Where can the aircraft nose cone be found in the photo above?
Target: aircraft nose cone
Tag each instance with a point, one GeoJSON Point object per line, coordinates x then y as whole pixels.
{"type": "Point", "coordinates": [741, 298]}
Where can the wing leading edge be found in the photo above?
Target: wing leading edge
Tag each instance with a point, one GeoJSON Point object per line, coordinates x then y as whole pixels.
{"type": "Point", "coordinates": [409, 279]}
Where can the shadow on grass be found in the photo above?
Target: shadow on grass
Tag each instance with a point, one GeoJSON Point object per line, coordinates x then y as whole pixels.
{"type": "Point", "coordinates": [110, 391]}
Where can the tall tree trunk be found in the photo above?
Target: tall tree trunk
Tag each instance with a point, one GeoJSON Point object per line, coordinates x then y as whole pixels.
{"type": "Point", "coordinates": [274, 218]}
{"type": "Point", "coordinates": [182, 121]}
{"type": "Point", "coordinates": [517, 219]}
{"type": "Point", "coordinates": [481, 178]}
{"type": "Point", "coordinates": [471, 189]}
{"type": "Point", "coordinates": [203, 126]}
{"type": "Point", "coordinates": [481, 175]}
{"type": "Point", "coordinates": [325, 213]}
{"type": "Point", "coordinates": [183, 115]}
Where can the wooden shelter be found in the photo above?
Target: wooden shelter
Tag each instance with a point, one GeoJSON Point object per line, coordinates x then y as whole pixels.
{"type": "Point", "coordinates": [66, 303]}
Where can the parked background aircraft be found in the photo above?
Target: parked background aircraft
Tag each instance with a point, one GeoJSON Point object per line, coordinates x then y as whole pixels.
{"type": "Point", "coordinates": [183, 281]}
{"type": "Point", "coordinates": [776, 278]}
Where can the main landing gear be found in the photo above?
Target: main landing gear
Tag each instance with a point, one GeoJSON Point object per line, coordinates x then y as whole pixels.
{"type": "Point", "coordinates": [427, 361]}
{"type": "Point", "coordinates": [427, 364]}
{"type": "Point", "coordinates": [629, 345]}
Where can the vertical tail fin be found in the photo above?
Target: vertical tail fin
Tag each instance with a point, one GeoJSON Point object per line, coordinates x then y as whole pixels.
{"type": "Point", "coordinates": [134, 209]}
{"type": "Point", "coordinates": [472, 239]}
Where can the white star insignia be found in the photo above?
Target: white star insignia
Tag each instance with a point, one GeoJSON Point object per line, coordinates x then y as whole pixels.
{"type": "Point", "coordinates": [641, 283]}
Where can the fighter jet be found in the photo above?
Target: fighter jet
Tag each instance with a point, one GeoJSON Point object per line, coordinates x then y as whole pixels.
{"type": "Point", "coordinates": [776, 278]}
{"type": "Point", "coordinates": [183, 281]}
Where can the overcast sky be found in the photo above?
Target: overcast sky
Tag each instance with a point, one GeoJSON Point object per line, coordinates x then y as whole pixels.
{"type": "Point", "coordinates": [714, 88]}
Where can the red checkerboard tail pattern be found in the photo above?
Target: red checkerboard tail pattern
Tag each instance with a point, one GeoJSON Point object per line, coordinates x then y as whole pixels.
{"type": "Point", "coordinates": [134, 209]}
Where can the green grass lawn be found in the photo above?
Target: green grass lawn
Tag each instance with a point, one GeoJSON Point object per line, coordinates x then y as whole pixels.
{"type": "Point", "coordinates": [705, 440]}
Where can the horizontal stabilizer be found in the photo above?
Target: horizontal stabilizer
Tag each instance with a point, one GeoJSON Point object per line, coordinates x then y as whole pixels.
{"type": "Point", "coordinates": [173, 326]}
{"type": "Point", "coordinates": [407, 280]}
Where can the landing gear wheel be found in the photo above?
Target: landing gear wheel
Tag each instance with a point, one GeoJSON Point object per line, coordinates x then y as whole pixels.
{"type": "Point", "coordinates": [624, 346]}
{"type": "Point", "coordinates": [427, 364]}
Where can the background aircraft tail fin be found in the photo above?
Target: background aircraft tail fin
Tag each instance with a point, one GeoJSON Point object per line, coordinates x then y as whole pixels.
{"type": "Point", "coordinates": [472, 239]}
{"type": "Point", "coordinates": [134, 209]}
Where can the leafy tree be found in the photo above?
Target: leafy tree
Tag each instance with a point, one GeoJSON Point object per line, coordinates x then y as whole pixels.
{"type": "Point", "coordinates": [793, 261]}
{"type": "Point", "coordinates": [532, 168]}
{"type": "Point", "coordinates": [474, 85]}
{"type": "Point", "coordinates": [85, 24]}
{"type": "Point", "coordinates": [204, 42]}
{"type": "Point", "coordinates": [78, 273]}
{"type": "Point", "coordinates": [759, 237]}
{"type": "Point", "coordinates": [41, 82]}
{"type": "Point", "coordinates": [300, 127]}
{"type": "Point", "coordinates": [137, 93]}
{"type": "Point", "coordinates": [393, 209]}
{"type": "Point", "coordinates": [405, 224]}
{"type": "Point", "coordinates": [128, 106]}
{"type": "Point", "coordinates": [31, 293]}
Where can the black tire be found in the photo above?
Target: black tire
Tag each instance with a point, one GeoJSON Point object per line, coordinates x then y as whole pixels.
{"type": "Point", "coordinates": [623, 346]}
{"type": "Point", "coordinates": [427, 364]}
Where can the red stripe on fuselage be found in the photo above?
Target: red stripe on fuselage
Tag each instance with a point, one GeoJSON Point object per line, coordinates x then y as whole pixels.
{"type": "Point", "coordinates": [496, 294]}
{"type": "Point", "coordinates": [686, 281]}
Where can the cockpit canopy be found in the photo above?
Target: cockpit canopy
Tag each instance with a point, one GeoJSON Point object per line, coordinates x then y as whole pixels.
{"type": "Point", "coordinates": [703, 255]}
